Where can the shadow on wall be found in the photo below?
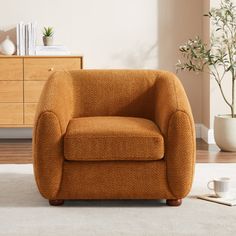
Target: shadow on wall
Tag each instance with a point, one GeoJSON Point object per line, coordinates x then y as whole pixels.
{"type": "Point", "coordinates": [175, 25]}
{"type": "Point", "coordinates": [167, 33]}
{"type": "Point", "coordinates": [177, 22]}
{"type": "Point", "coordinates": [141, 56]}
{"type": "Point", "coordinates": [11, 33]}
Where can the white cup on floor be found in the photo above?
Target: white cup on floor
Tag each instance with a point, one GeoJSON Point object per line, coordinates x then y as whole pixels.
{"type": "Point", "coordinates": [221, 186]}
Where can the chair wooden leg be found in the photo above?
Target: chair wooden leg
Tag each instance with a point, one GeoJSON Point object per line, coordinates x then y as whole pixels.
{"type": "Point", "coordinates": [56, 202]}
{"type": "Point", "coordinates": [173, 202]}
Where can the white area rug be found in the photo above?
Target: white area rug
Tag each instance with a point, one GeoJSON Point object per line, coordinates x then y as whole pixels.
{"type": "Point", "coordinates": [23, 212]}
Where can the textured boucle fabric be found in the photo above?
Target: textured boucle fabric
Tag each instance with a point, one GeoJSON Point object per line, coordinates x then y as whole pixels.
{"type": "Point", "coordinates": [174, 118]}
{"type": "Point", "coordinates": [157, 96]}
{"type": "Point", "coordinates": [114, 93]}
{"type": "Point", "coordinates": [180, 155]}
{"type": "Point", "coordinates": [53, 114]}
{"type": "Point", "coordinates": [113, 138]}
{"type": "Point", "coordinates": [114, 180]}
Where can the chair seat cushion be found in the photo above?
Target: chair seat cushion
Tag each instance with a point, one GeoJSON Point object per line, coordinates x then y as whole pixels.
{"type": "Point", "coordinates": [111, 138]}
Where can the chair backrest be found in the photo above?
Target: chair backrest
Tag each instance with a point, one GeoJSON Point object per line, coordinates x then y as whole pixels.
{"type": "Point", "coordinates": [114, 93]}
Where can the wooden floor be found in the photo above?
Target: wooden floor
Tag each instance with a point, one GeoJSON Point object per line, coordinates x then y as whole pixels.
{"type": "Point", "coordinates": [17, 151]}
{"type": "Point", "coordinates": [20, 152]}
{"type": "Point", "coordinates": [211, 154]}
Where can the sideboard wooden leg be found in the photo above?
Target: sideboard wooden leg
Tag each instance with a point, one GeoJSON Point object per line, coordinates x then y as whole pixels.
{"type": "Point", "coordinates": [56, 202]}
{"type": "Point", "coordinates": [173, 202]}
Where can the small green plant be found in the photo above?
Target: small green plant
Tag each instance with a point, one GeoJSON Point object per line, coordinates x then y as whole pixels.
{"type": "Point", "coordinates": [219, 58]}
{"type": "Point", "coordinates": [48, 32]}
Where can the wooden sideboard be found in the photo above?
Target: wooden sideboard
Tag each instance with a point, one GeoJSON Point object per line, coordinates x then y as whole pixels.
{"type": "Point", "coordinates": [21, 81]}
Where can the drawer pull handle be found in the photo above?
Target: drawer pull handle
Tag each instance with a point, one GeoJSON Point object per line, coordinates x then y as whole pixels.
{"type": "Point", "coordinates": [51, 69]}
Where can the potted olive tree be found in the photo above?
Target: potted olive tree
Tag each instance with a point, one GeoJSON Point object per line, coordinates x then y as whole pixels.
{"type": "Point", "coordinates": [219, 59]}
{"type": "Point", "coordinates": [48, 36]}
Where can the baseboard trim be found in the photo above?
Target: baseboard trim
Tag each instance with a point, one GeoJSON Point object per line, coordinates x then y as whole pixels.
{"type": "Point", "coordinates": [16, 133]}
{"type": "Point", "coordinates": [204, 133]}
{"type": "Point", "coordinates": [198, 128]}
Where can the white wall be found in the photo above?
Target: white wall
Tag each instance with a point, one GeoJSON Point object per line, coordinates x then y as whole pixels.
{"type": "Point", "coordinates": [109, 33]}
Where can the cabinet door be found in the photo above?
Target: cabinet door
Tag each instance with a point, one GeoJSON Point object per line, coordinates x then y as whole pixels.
{"type": "Point", "coordinates": [29, 113]}
{"type": "Point", "coordinates": [42, 68]}
{"type": "Point", "coordinates": [11, 68]}
{"type": "Point", "coordinates": [32, 90]}
{"type": "Point", "coordinates": [11, 113]}
{"type": "Point", "coordinates": [11, 91]}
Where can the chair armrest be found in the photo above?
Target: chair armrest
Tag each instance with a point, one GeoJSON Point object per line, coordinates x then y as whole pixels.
{"type": "Point", "coordinates": [54, 111]}
{"type": "Point", "coordinates": [57, 98]}
{"type": "Point", "coordinates": [174, 118]}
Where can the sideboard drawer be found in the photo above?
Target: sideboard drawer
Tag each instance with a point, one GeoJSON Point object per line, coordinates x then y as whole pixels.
{"type": "Point", "coordinates": [32, 90]}
{"type": "Point", "coordinates": [22, 79]}
{"type": "Point", "coordinates": [11, 69]}
{"type": "Point", "coordinates": [11, 91]}
{"type": "Point", "coordinates": [29, 113]}
{"type": "Point", "coordinates": [42, 68]}
{"type": "Point", "coordinates": [11, 113]}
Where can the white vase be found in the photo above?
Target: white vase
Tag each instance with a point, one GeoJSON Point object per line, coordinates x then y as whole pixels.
{"type": "Point", "coordinates": [7, 47]}
{"type": "Point", "coordinates": [225, 132]}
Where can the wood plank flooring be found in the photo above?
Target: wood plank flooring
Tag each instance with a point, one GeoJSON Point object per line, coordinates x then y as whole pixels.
{"type": "Point", "coordinates": [212, 154]}
{"type": "Point", "coordinates": [15, 151]}
{"type": "Point", "coordinates": [20, 152]}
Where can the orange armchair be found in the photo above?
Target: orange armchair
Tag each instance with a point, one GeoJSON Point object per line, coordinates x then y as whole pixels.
{"type": "Point", "coordinates": [114, 134]}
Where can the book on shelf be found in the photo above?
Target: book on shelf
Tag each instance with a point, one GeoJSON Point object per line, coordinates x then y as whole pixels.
{"type": "Point", "coordinates": [17, 39]}
{"type": "Point", "coordinates": [26, 38]}
{"type": "Point", "coordinates": [56, 50]}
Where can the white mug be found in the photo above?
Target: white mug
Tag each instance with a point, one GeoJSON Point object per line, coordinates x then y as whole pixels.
{"type": "Point", "coordinates": [221, 187]}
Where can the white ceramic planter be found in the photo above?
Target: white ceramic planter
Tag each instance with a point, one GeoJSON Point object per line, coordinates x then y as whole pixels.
{"type": "Point", "coordinates": [225, 132]}
{"type": "Point", "coordinates": [7, 47]}
{"type": "Point", "coordinates": [47, 41]}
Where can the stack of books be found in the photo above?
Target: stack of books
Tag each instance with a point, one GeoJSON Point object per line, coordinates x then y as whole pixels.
{"type": "Point", "coordinates": [26, 38]}
{"type": "Point", "coordinates": [57, 50]}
